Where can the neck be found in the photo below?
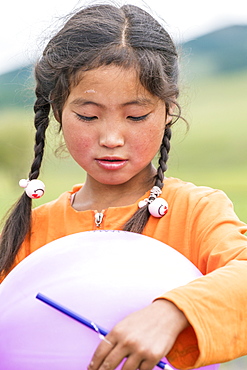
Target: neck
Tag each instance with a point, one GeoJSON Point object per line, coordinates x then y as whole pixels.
{"type": "Point", "coordinates": [98, 196]}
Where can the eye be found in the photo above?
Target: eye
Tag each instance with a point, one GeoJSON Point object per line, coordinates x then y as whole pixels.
{"type": "Point", "coordinates": [139, 118]}
{"type": "Point", "coordinates": [86, 118]}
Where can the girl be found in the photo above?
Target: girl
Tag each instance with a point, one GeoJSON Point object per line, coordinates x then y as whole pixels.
{"type": "Point", "coordinates": [110, 76]}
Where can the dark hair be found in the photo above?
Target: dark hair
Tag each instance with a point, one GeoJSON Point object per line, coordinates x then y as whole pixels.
{"type": "Point", "coordinates": [96, 36]}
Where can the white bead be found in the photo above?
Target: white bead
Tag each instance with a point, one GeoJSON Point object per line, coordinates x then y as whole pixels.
{"type": "Point", "coordinates": [142, 203]}
{"type": "Point", "coordinates": [158, 207]}
{"type": "Point", "coordinates": [35, 189]}
{"type": "Point", "coordinates": [23, 183]}
{"type": "Point", "coordinates": [155, 191]}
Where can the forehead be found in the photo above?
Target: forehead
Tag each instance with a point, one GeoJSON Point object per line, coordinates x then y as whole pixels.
{"type": "Point", "coordinates": [114, 83]}
{"type": "Point", "coordinates": [103, 73]}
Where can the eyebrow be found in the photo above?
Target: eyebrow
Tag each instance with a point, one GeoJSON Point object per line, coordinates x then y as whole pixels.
{"type": "Point", "coordinates": [140, 101]}
{"type": "Point", "coordinates": [81, 101]}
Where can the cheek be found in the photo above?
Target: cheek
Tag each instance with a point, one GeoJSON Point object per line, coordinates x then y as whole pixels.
{"type": "Point", "coordinates": [145, 150]}
{"type": "Point", "coordinates": [149, 142]}
{"type": "Point", "coordinates": [76, 141]}
{"type": "Point", "coordinates": [78, 146]}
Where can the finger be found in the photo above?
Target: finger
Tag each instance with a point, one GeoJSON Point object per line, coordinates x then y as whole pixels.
{"type": "Point", "coordinates": [102, 351]}
{"type": "Point", "coordinates": [132, 362]}
{"type": "Point", "coordinates": [143, 358]}
{"type": "Point", "coordinates": [114, 358]}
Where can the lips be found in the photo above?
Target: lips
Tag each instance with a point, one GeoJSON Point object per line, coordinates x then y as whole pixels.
{"type": "Point", "coordinates": [111, 163]}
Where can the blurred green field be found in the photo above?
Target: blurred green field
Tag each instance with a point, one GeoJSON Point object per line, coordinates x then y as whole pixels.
{"type": "Point", "coordinates": [213, 152]}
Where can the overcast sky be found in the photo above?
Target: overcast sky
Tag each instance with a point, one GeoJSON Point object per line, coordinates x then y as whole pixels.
{"type": "Point", "coordinates": [26, 25]}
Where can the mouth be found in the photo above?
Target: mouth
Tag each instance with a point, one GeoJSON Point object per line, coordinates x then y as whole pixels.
{"type": "Point", "coordinates": [111, 163]}
{"type": "Point", "coordinates": [111, 160]}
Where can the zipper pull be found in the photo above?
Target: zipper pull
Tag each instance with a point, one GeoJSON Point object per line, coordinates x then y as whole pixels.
{"type": "Point", "coordinates": [98, 218]}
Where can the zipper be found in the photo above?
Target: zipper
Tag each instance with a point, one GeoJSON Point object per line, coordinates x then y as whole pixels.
{"type": "Point", "coordinates": [98, 217]}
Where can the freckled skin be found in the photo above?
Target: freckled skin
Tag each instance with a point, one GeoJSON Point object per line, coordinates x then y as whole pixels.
{"type": "Point", "coordinates": [113, 102]}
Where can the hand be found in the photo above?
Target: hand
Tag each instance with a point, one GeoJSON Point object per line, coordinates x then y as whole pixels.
{"type": "Point", "coordinates": [144, 338]}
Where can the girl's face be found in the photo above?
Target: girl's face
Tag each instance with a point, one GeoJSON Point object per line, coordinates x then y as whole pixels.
{"type": "Point", "coordinates": [113, 126]}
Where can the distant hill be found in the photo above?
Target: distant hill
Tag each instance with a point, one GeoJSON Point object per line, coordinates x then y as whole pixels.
{"type": "Point", "coordinates": [218, 52]}
{"type": "Point", "coordinates": [16, 88]}
{"type": "Point", "coordinates": [221, 51]}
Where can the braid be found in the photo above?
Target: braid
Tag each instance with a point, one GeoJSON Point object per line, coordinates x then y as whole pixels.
{"type": "Point", "coordinates": [41, 122]}
{"type": "Point", "coordinates": [18, 223]}
{"type": "Point", "coordinates": [140, 218]}
{"type": "Point", "coordinates": [164, 151]}
{"type": "Point", "coordinates": [14, 231]}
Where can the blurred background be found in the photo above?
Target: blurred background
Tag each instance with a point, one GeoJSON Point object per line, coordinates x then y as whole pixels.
{"type": "Point", "coordinates": [212, 42]}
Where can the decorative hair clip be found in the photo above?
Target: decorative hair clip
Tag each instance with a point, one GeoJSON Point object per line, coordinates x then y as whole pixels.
{"type": "Point", "coordinates": [157, 207]}
{"type": "Point", "coordinates": [34, 188]}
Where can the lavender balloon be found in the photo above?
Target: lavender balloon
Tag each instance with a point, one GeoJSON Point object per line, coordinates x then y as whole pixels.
{"type": "Point", "coordinates": [95, 274]}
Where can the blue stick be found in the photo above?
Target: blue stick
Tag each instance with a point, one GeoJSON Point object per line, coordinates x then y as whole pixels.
{"type": "Point", "coordinates": [83, 320]}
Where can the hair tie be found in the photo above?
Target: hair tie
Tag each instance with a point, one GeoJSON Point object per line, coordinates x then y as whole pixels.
{"type": "Point", "coordinates": [157, 207]}
{"type": "Point", "coordinates": [34, 188]}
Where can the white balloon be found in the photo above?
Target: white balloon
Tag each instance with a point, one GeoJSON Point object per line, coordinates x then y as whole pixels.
{"type": "Point", "coordinates": [101, 275]}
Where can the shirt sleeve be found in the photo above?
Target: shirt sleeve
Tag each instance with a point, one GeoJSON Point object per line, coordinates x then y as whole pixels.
{"type": "Point", "coordinates": [216, 303]}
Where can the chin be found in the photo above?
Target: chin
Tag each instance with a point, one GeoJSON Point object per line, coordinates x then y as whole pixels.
{"type": "Point", "coordinates": [113, 182]}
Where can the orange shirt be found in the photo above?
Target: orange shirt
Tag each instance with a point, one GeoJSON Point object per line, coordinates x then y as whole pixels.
{"type": "Point", "coordinates": [200, 224]}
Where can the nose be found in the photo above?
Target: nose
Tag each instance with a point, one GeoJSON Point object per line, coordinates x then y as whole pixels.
{"type": "Point", "coordinates": [111, 136]}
